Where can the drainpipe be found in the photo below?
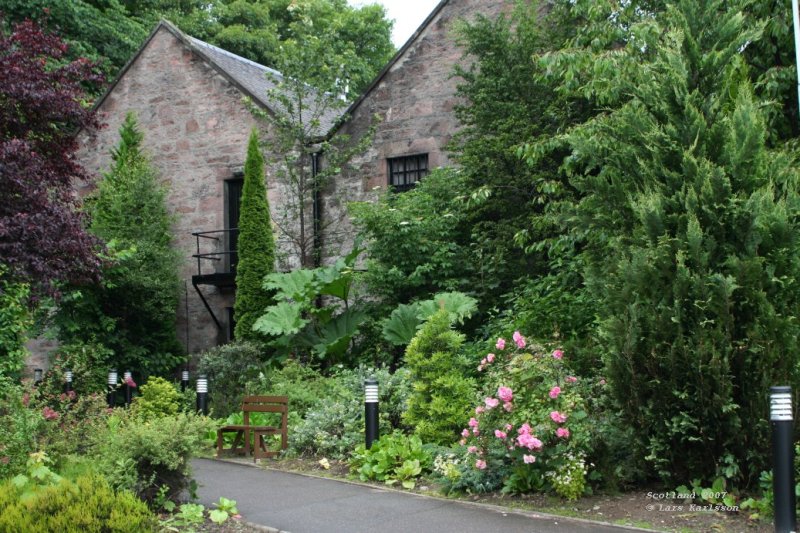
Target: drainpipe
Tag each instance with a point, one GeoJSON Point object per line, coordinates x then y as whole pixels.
{"type": "Point", "coordinates": [317, 210]}
{"type": "Point", "coordinates": [796, 47]}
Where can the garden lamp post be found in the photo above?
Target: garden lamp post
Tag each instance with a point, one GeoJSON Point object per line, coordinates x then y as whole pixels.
{"type": "Point", "coordinates": [202, 394]}
{"type": "Point", "coordinates": [128, 378]}
{"type": "Point", "coordinates": [37, 376]}
{"type": "Point", "coordinates": [112, 387]}
{"type": "Point", "coordinates": [67, 380]}
{"type": "Point", "coordinates": [370, 411]}
{"type": "Point", "coordinates": [782, 422]}
{"type": "Point", "coordinates": [184, 380]}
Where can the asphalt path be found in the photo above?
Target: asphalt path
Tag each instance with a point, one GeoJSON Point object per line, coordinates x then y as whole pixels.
{"type": "Point", "coordinates": [298, 503]}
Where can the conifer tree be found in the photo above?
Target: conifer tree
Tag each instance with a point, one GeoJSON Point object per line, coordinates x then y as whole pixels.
{"type": "Point", "coordinates": [133, 311]}
{"type": "Point", "coordinates": [256, 245]}
{"type": "Point", "coordinates": [693, 245]}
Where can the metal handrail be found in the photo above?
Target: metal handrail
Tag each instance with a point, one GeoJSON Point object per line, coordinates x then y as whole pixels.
{"type": "Point", "coordinates": [210, 256]}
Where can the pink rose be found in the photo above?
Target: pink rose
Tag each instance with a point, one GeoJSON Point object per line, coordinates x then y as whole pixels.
{"type": "Point", "coordinates": [472, 449]}
{"type": "Point", "coordinates": [465, 433]}
{"type": "Point", "coordinates": [490, 357]}
{"type": "Point", "coordinates": [501, 344]}
{"type": "Point", "coordinates": [499, 434]}
{"type": "Point", "coordinates": [479, 410]}
{"type": "Point", "coordinates": [508, 406]}
{"type": "Point", "coordinates": [557, 417]}
{"type": "Point", "coordinates": [524, 429]}
{"type": "Point", "coordinates": [509, 427]}
{"type": "Point", "coordinates": [480, 464]}
{"type": "Point", "coordinates": [491, 403]}
{"type": "Point", "coordinates": [571, 379]}
{"type": "Point", "coordinates": [473, 423]}
{"type": "Point", "coordinates": [554, 392]}
{"type": "Point", "coordinates": [49, 414]}
{"type": "Point", "coordinates": [558, 354]}
{"type": "Point", "coordinates": [519, 339]}
{"type": "Point", "coordinates": [526, 440]}
{"type": "Point", "coordinates": [476, 431]}
{"type": "Point", "coordinates": [529, 459]}
{"type": "Point", "coordinates": [505, 394]}
{"type": "Point", "coordinates": [562, 433]}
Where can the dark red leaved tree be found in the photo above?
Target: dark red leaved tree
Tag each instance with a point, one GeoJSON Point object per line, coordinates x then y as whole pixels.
{"type": "Point", "coordinates": [42, 237]}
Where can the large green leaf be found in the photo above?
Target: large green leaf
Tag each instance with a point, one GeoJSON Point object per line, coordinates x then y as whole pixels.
{"type": "Point", "coordinates": [458, 305]}
{"type": "Point", "coordinates": [333, 338]}
{"type": "Point", "coordinates": [283, 318]}
{"type": "Point", "coordinates": [296, 285]}
{"type": "Point", "coordinates": [402, 324]}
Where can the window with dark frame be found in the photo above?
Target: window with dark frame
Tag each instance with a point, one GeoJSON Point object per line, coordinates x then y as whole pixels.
{"type": "Point", "coordinates": [406, 171]}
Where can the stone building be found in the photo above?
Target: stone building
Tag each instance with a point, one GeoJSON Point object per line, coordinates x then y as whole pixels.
{"type": "Point", "coordinates": [188, 98]}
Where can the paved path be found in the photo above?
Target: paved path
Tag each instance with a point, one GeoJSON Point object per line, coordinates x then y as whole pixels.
{"type": "Point", "coordinates": [304, 504]}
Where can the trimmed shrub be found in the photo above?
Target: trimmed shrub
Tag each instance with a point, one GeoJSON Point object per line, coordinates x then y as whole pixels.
{"type": "Point", "coordinates": [230, 368]}
{"type": "Point", "coordinates": [158, 397]}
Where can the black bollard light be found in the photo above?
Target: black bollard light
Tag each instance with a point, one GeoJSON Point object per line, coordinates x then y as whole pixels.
{"type": "Point", "coordinates": [202, 394]}
{"type": "Point", "coordinates": [128, 379]}
{"type": "Point", "coordinates": [370, 411]}
{"type": "Point", "coordinates": [112, 387]}
{"type": "Point", "coordinates": [38, 374]}
{"type": "Point", "coordinates": [67, 380]}
{"type": "Point", "coordinates": [782, 422]}
{"type": "Point", "coordinates": [184, 380]}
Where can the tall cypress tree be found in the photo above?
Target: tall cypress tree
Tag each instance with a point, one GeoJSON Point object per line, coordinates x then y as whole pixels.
{"type": "Point", "coordinates": [256, 245]}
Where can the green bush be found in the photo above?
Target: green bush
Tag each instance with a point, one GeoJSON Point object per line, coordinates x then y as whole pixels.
{"type": "Point", "coordinates": [442, 395]}
{"type": "Point", "coordinates": [334, 425]}
{"type": "Point", "coordinates": [392, 458]}
{"type": "Point", "coordinates": [87, 504]}
{"type": "Point", "coordinates": [89, 362]}
{"type": "Point", "coordinates": [15, 319]}
{"type": "Point", "coordinates": [229, 369]}
{"type": "Point", "coordinates": [144, 455]}
{"type": "Point", "coordinates": [19, 429]}
{"type": "Point", "coordinates": [158, 398]}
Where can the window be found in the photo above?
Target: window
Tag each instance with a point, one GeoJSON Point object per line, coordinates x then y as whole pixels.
{"type": "Point", "coordinates": [233, 199]}
{"type": "Point", "coordinates": [405, 172]}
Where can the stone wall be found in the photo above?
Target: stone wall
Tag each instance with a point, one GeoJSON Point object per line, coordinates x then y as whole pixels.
{"type": "Point", "coordinates": [414, 100]}
{"type": "Point", "coordinates": [195, 132]}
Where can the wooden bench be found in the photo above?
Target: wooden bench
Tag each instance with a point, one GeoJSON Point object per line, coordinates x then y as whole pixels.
{"type": "Point", "coordinates": [241, 442]}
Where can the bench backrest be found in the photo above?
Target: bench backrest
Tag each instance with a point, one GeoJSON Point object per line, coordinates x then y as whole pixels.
{"type": "Point", "coordinates": [265, 404]}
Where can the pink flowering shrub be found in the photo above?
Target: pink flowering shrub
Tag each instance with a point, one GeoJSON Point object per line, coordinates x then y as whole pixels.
{"type": "Point", "coordinates": [531, 431]}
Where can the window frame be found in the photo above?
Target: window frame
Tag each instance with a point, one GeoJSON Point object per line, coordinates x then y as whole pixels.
{"type": "Point", "coordinates": [409, 174]}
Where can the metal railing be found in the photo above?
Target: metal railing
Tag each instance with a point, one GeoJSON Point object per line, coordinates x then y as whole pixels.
{"type": "Point", "coordinates": [214, 256]}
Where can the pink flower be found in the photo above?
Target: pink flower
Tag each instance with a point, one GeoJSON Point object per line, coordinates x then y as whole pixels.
{"type": "Point", "coordinates": [602, 382]}
{"type": "Point", "coordinates": [472, 449]}
{"type": "Point", "coordinates": [558, 354]}
{"type": "Point", "coordinates": [499, 434]}
{"type": "Point", "coordinates": [529, 459]}
{"type": "Point", "coordinates": [554, 392]}
{"type": "Point", "coordinates": [524, 429]}
{"type": "Point", "coordinates": [49, 414]}
{"type": "Point", "coordinates": [479, 410]}
{"type": "Point", "coordinates": [509, 427]}
{"type": "Point", "coordinates": [237, 517]}
{"type": "Point", "coordinates": [491, 403]}
{"type": "Point", "coordinates": [508, 407]}
{"type": "Point", "coordinates": [472, 423]}
{"type": "Point", "coordinates": [571, 379]}
{"type": "Point", "coordinates": [480, 464]}
{"type": "Point", "coordinates": [519, 339]}
{"type": "Point", "coordinates": [130, 383]}
{"type": "Point", "coordinates": [526, 440]}
{"type": "Point", "coordinates": [490, 357]}
{"type": "Point", "coordinates": [71, 395]}
{"type": "Point", "coordinates": [557, 417]}
{"type": "Point", "coordinates": [505, 394]}
{"type": "Point", "coordinates": [562, 433]}
{"type": "Point", "coordinates": [476, 431]}
{"type": "Point", "coordinates": [501, 344]}
{"type": "Point", "coordinates": [62, 397]}
{"type": "Point", "coordinates": [462, 442]}
{"type": "Point", "coordinates": [465, 433]}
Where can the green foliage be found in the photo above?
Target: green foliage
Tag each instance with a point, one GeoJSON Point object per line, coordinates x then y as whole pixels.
{"type": "Point", "coordinates": [133, 311]}
{"type": "Point", "coordinates": [88, 361]}
{"type": "Point", "coordinates": [392, 458]}
{"type": "Point", "coordinates": [224, 509]}
{"type": "Point", "coordinates": [19, 429]}
{"type": "Point", "coordinates": [87, 504]}
{"type": "Point", "coordinates": [402, 325]}
{"type": "Point", "coordinates": [299, 325]}
{"type": "Point", "coordinates": [144, 455]}
{"type": "Point", "coordinates": [692, 247]}
{"type": "Point", "coordinates": [229, 369]}
{"type": "Point", "coordinates": [417, 241]}
{"type": "Point", "coordinates": [442, 391]}
{"type": "Point", "coordinates": [158, 398]}
{"type": "Point", "coordinates": [14, 323]}
{"type": "Point", "coordinates": [334, 425]}
{"type": "Point", "coordinates": [255, 245]}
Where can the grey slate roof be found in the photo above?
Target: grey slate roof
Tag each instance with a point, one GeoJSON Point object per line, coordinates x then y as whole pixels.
{"type": "Point", "coordinates": [255, 79]}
